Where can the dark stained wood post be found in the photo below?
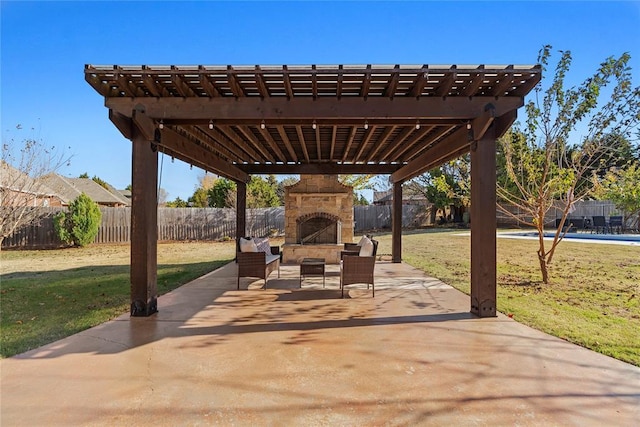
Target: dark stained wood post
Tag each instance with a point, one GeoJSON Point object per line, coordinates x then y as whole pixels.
{"type": "Point", "coordinates": [396, 223]}
{"type": "Point", "coordinates": [241, 210]}
{"type": "Point", "coordinates": [144, 226]}
{"type": "Point", "coordinates": [483, 225]}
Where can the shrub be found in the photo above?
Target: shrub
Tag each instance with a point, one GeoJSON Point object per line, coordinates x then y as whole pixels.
{"type": "Point", "coordinates": [79, 225]}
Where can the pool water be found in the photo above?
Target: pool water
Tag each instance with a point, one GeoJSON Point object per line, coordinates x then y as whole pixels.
{"type": "Point", "coordinates": [624, 239]}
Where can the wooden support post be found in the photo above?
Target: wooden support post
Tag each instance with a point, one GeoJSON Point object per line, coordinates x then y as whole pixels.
{"type": "Point", "coordinates": [396, 223]}
{"type": "Point", "coordinates": [144, 226]}
{"type": "Point", "coordinates": [483, 225]}
{"type": "Point", "coordinates": [241, 210]}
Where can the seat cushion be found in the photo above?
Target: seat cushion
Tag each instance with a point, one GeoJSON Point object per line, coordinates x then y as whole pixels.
{"type": "Point", "coordinates": [271, 258]}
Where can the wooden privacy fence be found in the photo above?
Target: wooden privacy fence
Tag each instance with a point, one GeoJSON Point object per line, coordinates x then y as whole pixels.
{"type": "Point", "coordinates": [210, 224]}
{"type": "Point", "coordinates": [173, 224]}
{"type": "Point", "coordinates": [582, 209]}
{"type": "Point", "coordinates": [374, 217]}
{"type": "Point", "coordinates": [180, 224]}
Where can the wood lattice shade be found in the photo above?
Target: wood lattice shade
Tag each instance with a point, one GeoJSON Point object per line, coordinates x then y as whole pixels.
{"type": "Point", "coordinates": [240, 120]}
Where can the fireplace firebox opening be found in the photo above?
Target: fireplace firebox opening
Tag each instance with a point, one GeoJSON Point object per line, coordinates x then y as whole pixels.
{"type": "Point", "coordinates": [318, 228]}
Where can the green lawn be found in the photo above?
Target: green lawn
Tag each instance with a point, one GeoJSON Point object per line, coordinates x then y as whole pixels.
{"type": "Point", "coordinates": [593, 299]}
{"type": "Point", "coordinates": [48, 295]}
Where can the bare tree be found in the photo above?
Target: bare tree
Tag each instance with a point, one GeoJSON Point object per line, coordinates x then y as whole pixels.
{"type": "Point", "coordinates": [24, 162]}
{"type": "Point", "coordinates": [543, 169]}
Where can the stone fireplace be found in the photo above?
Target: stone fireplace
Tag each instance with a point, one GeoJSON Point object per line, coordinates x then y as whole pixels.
{"type": "Point", "coordinates": [318, 219]}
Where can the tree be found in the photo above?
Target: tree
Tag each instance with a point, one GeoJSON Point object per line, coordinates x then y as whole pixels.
{"type": "Point", "coordinates": [286, 182]}
{"type": "Point", "coordinates": [101, 182]}
{"type": "Point", "coordinates": [206, 180]}
{"type": "Point", "coordinates": [434, 186]}
{"type": "Point", "coordinates": [80, 224]}
{"type": "Point", "coordinates": [177, 203]}
{"type": "Point", "coordinates": [360, 200]}
{"type": "Point", "coordinates": [261, 193]}
{"type": "Point", "coordinates": [163, 195]}
{"type": "Point", "coordinates": [445, 186]}
{"type": "Point", "coordinates": [222, 193]}
{"type": "Point", "coordinates": [544, 170]}
{"type": "Point", "coordinates": [622, 187]}
{"type": "Point", "coordinates": [359, 183]}
{"type": "Point", "coordinates": [200, 198]}
{"type": "Point", "coordinates": [24, 162]}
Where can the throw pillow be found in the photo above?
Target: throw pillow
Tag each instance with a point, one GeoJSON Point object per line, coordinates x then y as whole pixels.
{"type": "Point", "coordinates": [263, 245]}
{"type": "Point", "coordinates": [366, 249]}
{"type": "Point", "coordinates": [248, 245]}
{"type": "Point", "coordinates": [362, 240]}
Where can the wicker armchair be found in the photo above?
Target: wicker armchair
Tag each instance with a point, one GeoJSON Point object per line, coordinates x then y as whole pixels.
{"type": "Point", "coordinates": [358, 269]}
{"type": "Point", "coordinates": [350, 249]}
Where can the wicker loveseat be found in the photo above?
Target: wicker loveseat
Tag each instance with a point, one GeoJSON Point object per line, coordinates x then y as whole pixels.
{"type": "Point", "coordinates": [259, 261]}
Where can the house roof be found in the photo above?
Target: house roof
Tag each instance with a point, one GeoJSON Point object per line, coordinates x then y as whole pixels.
{"type": "Point", "coordinates": [70, 188]}
{"type": "Point", "coordinates": [316, 119]}
{"type": "Point", "coordinates": [13, 179]}
{"type": "Point", "coordinates": [119, 194]}
{"type": "Point", "coordinates": [387, 196]}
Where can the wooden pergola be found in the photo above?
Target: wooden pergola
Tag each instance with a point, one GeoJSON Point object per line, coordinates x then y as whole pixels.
{"type": "Point", "coordinates": [235, 121]}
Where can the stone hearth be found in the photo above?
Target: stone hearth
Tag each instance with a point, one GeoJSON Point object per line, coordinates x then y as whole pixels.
{"type": "Point", "coordinates": [318, 218]}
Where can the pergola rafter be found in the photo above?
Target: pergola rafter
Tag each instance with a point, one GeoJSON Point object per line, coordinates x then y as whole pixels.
{"type": "Point", "coordinates": [401, 120]}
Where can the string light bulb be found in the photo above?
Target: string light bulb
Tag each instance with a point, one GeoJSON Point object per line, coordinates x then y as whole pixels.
{"type": "Point", "coordinates": [263, 125]}
{"type": "Point", "coordinates": [417, 124]}
{"type": "Point", "coordinates": [210, 124]}
{"type": "Point", "coordinates": [161, 125]}
{"type": "Point", "coordinates": [314, 125]}
{"type": "Point", "coordinates": [468, 125]}
{"type": "Point", "coordinates": [366, 125]}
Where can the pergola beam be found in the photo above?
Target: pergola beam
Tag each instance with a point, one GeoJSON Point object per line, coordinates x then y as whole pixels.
{"type": "Point", "coordinates": [257, 109]}
{"type": "Point", "coordinates": [189, 150]}
{"type": "Point", "coordinates": [456, 143]}
{"type": "Point", "coordinates": [122, 123]}
{"type": "Point", "coordinates": [237, 147]}
{"type": "Point", "coordinates": [319, 169]}
{"type": "Point", "coordinates": [246, 133]}
{"type": "Point", "coordinates": [432, 157]}
{"type": "Point", "coordinates": [303, 143]}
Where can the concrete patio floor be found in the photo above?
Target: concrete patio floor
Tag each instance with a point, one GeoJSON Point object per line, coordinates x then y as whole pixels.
{"type": "Point", "coordinates": [413, 355]}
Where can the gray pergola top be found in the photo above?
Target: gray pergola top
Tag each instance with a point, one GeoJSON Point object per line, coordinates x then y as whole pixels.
{"type": "Point", "coordinates": [239, 120]}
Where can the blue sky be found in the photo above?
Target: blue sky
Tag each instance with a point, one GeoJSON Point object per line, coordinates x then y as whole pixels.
{"type": "Point", "coordinates": [44, 46]}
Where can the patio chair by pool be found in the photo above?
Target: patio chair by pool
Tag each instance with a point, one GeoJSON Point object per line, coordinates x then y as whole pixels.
{"type": "Point", "coordinates": [615, 224]}
{"type": "Point", "coordinates": [600, 224]}
{"type": "Point", "coordinates": [571, 225]}
{"type": "Point", "coordinates": [359, 268]}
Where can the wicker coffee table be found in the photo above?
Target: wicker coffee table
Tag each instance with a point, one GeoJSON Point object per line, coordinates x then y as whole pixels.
{"type": "Point", "coordinates": [312, 267]}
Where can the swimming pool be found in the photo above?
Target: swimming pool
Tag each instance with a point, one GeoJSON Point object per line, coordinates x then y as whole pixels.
{"type": "Point", "coordinates": [619, 239]}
